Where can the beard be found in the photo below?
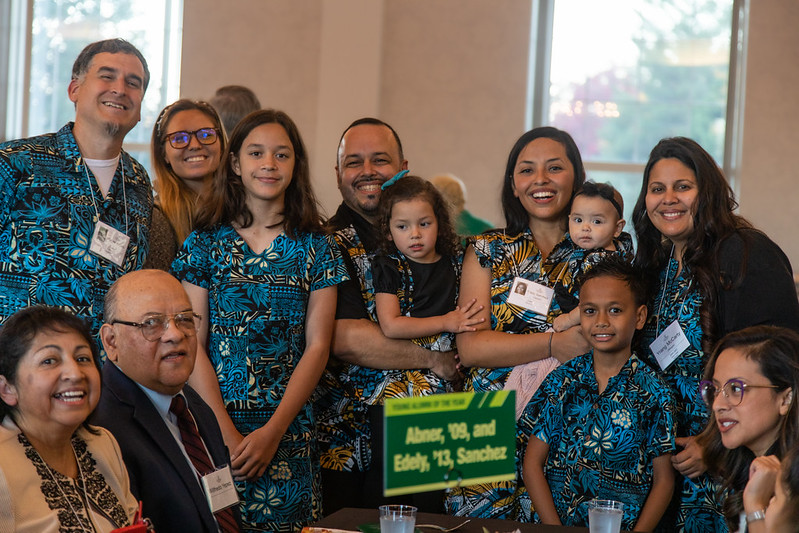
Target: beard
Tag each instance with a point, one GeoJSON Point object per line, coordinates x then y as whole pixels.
{"type": "Point", "coordinates": [112, 129]}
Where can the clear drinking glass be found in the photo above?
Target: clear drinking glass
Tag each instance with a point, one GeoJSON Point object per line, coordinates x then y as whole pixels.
{"type": "Point", "coordinates": [604, 516]}
{"type": "Point", "coordinates": [397, 518]}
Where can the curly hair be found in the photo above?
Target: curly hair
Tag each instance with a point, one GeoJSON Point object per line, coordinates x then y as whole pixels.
{"type": "Point", "coordinates": [714, 220]}
{"type": "Point", "coordinates": [176, 200]}
{"type": "Point", "coordinates": [516, 218]}
{"type": "Point", "coordinates": [776, 351]}
{"type": "Point", "coordinates": [409, 188]}
{"type": "Point", "coordinates": [225, 202]}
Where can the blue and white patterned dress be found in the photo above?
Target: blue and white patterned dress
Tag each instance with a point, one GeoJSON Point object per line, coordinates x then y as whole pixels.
{"type": "Point", "coordinates": [697, 506]}
{"type": "Point", "coordinates": [602, 445]}
{"type": "Point", "coordinates": [47, 218]}
{"type": "Point", "coordinates": [257, 311]}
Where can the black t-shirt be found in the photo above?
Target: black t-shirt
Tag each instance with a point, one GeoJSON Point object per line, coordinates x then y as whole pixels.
{"type": "Point", "coordinates": [434, 284]}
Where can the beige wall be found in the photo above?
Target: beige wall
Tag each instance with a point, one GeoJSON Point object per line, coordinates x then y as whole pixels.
{"type": "Point", "coordinates": [450, 76]}
{"type": "Point", "coordinates": [768, 191]}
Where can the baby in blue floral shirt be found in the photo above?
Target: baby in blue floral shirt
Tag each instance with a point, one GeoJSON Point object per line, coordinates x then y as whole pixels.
{"type": "Point", "coordinates": [602, 423]}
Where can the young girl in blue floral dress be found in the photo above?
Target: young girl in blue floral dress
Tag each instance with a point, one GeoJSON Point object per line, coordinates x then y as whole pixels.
{"type": "Point", "coordinates": [258, 269]}
{"type": "Point", "coordinates": [416, 277]}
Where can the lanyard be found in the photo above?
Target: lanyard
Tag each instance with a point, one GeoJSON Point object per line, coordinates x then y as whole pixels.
{"type": "Point", "coordinates": [663, 295]}
{"type": "Point", "coordinates": [124, 193]}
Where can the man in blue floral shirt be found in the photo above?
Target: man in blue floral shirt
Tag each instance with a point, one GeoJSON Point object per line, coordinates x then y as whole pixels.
{"type": "Point", "coordinates": [74, 207]}
{"type": "Point", "coordinates": [602, 423]}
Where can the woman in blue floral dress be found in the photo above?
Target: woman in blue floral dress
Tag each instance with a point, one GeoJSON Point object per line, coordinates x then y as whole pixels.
{"type": "Point", "coordinates": [258, 269]}
{"type": "Point", "coordinates": [714, 274]}
{"type": "Point", "coordinates": [544, 169]}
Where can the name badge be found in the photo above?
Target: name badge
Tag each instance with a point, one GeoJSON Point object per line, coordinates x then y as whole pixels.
{"type": "Point", "coordinates": [220, 491]}
{"type": "Point", "coordinates": [109, 243]}
{"type": "Point", "coordinates": [530, 295]}
{"type": "Point", "coordinates": [669, 345]}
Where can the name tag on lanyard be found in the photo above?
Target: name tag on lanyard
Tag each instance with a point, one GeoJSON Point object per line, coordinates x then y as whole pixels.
{"type": "Point", "coordinates": [109, 243]}
{"type": "Point", "coordinates": [669, 345]}
{"type": "Point", "coordinates": [220, 491]}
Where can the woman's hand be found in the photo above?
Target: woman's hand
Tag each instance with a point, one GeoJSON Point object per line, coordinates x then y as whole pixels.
{"type": "Point", "coordinates": [254, 453]}
{"type": "Point", "coordinates": [568, 344]}
{"type": "Point", "coordinates": [689, 461]}
{"type": "Point", "coordinates": [759, 489]}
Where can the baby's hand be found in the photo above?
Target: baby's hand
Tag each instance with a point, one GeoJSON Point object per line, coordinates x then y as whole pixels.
{"type": "Point", "coordinates": [463, 319]}
{"type": "Point", "coordinates": [561, 323]}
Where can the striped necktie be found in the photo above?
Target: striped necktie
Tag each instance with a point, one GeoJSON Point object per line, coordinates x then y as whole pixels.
{"type": "Point", "coordinates": [199, 457]}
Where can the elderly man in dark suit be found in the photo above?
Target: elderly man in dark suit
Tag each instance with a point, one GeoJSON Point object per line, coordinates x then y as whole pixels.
{"type": "Point", "coordinates": [170, 440]}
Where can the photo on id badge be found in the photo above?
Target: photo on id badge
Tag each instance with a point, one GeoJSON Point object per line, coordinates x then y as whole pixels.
{"type": "Point", "coordinates": [530, 295]}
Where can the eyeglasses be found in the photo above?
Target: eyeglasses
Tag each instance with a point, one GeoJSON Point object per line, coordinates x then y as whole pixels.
{"type": "Point", "coordinates": [181, 139]}
{"type": "Point", "coordinates": [153, 327]}
{"type": "Point", "coordinates": [733, 390]}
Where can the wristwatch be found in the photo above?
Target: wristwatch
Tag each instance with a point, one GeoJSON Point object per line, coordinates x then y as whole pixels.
{"type": "Point", "coordinates": [754, 516]}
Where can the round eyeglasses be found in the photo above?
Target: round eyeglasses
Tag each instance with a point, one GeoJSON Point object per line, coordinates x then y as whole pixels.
{"type": "Point", "coordinates": [733, 390]}
{"type": "Point", "coordinates": [181, 139]}
{"type": "Point", "coordinates": [154, 326]}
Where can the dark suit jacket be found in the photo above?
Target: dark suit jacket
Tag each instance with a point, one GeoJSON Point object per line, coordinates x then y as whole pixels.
{"type": "Point", "coordinates": [160, 475]}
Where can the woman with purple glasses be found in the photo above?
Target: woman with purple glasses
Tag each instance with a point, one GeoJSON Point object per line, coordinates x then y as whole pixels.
{"type": "Point", "coordinates": [749, 387]}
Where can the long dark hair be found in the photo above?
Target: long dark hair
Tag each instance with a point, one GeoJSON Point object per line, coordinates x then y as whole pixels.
{"type": "Point", "coordinates": [408, 188]}
{"type": "Point", "coordinates": [714, 220]}
{"type": "Point", "coordinates": [789, 476]}
{"type": "Point", "coordinates": [776, 351]}
{"type": "Point", "coordinates": [19, 331]}
{"type": "Point", "coordinates": [516, 218]}
{"type": "Point", "coordinates": [225, 201]}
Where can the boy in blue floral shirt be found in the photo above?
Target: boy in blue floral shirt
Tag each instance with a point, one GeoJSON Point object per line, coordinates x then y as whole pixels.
{"type": "Point", "coordinates": [602, 423]}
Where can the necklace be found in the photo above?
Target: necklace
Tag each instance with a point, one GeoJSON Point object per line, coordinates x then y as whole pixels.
{"type": "Point", "coordinates": [276, 224]}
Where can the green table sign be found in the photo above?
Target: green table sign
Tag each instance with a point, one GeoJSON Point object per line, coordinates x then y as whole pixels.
{"type": "Point", "coordinates": [441, 441]}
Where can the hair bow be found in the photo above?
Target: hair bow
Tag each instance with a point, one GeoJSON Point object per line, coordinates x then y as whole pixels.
{"type": "Point", "coordinates": [393, 180]}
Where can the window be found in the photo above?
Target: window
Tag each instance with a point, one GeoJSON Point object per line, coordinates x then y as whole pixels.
{"type": "Point", "coordinates": [45, 37]}
{"type": "Point", "coordinates": [620, 76]}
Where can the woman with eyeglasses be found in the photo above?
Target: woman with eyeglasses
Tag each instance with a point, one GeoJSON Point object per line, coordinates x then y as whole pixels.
{"type": "Point", "coordinates": [712, 274]}
{"type": "Point", "coordinates": [263, 276]}
{"type": "Point", "coordinates": [749, 388]}
{"type": "Point", "coordinates": [187, 146]}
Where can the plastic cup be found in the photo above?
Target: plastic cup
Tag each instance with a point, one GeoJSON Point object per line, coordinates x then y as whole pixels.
{"type": "Point", "coordinates": [397, 518]}
{"type": "Point", "coordinates": [604, 516]}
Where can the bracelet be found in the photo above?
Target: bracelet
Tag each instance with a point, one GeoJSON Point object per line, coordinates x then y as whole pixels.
{"type": "Point", "coordinates": [551, 334]}
{"type": "Point", "coordinates": [754, 516]}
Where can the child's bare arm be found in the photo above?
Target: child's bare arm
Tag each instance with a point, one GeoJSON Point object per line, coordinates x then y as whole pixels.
{"type": "Point", "coordinates": [540, 494]}
{"type": "Point", "coordinates": [659, 496]}
{"type": "Point", "coordinates": [567, 320]}
{"type": "Point", "coordinates": [397, 326]}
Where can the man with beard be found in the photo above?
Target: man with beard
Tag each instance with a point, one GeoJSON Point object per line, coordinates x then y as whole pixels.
{"type": "Point", "coordinates": [74, 207]}
{"type": "Point", "coordinates": [367, 367]}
